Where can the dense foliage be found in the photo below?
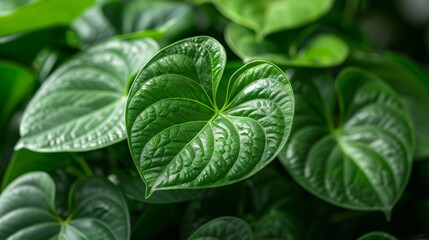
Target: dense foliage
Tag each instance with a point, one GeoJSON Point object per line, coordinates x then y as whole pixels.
{"type": "Point", "coordinates": [214, 119]}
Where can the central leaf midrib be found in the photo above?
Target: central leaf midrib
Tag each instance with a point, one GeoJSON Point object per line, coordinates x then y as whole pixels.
{"type": "Point", "coordinates": [198, 84]}
{"type": "Point", "coordinates": [379, 194]}
{"type": "Point", "coordinates": [150, 188]}
{"type": "Point", "coordinates": [208, 124]}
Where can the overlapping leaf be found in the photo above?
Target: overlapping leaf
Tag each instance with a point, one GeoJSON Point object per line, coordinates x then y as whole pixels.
{"type": "Point", "coordinates": [24, 15]}
{"type": "Point", "coordinates": [320, 50]}
{"type": "Point", "coordinates": [97, 210]}
{"type": "Point", "coordinates": [92, 26]}
{"type": "Point", "coordinates": [162, 18]}
{"type": "Point", "coordinates": [81, 105]}
{"type": "Point", "coordinates": [411, 82]}
{"type": "Point", "coordinates": [362, 160]}
{"type": "Point", "coordinates": [190, 128]}
{"type": "Point", "coordinates": [268, 16]}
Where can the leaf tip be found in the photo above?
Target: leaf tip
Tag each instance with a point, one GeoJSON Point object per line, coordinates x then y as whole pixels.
{"type": "Point", "coordinates": [148, 193]}
{"type": "Point", "coordinates": [388, 214]}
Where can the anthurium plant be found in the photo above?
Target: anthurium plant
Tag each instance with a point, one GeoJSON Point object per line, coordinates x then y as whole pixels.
{"type": "Point", "coordinates": [214, 119]}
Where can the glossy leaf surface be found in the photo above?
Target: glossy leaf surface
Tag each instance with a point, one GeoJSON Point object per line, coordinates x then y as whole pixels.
{"type": "Point", "coordinates": [97, 210]}
{"type": "Point", "coordinates": [226, 228]}
{"type": "Point", "coordinates": [265, 17]}
{"type": "Point", "coordinates": [81, 105]}
{"type": "Point", "coordinates": [15, 15]}
{"type": "Point", "coordinates": [362, 160]}
{"type": "Point", "coordinates": [190, 128]}
{"type": "Point", "coordinates": [411, 81]}
{"type": "Point", "coordinates": [320, 50]}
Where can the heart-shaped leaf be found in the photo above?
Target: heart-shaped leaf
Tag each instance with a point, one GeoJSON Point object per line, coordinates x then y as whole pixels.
{"type": "Point", "coordinates": [410, 81]}
{"type": "Point", "coordinates": [226, 228]}
{"type": "Point", "coordinates": [81, 105]}
{"type": "Point", "coordinates": [320, 50]}
{"type": "Point", "coordinates": [15, 15]}
{"type": "Point", "coordinates": [268, 16]}
{"type": "Point", "coordinates": [361, 160]}
{"type": "Point", "coordinates": [97, 210]}
{"type": "Point", "coordinates": [190, 128]}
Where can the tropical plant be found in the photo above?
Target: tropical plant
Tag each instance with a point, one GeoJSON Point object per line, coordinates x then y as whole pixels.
{"type": "Point", "coordinates": [214, 119]}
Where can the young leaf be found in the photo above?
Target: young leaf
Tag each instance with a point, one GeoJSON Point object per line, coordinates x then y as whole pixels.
{"type": "Point", "coordinates": [226, 228]}
{"type": "Point", "coordinates": [265, 17]}
{"type": "Point", "coordinates": [97, 210]}
{"type": "Point", "coordinates": [21, 16]}
{"type": "Point", "coordinates": [81, 105]}
{"type": "Point", "coordinates": [364, 161]}
{"type": "Point", "coordinates": [321, 50]}
{"type": "Point", "coordinates": [190, 128]}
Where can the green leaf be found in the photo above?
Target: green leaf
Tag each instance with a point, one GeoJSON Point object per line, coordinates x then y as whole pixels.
{"type": "Point", "coordinates": [169, 19]}
{"type": "Point", "coordinates": [269, 16]}
{"type": "Point", "coordinates": [410, 81]}
{"type": "Point", "coordinates": [225, 228]}
{"type": "Point", "coordinates": [377, 236]}
{"type": "Point", "coordinates": [362, 160]}
{"type": "Point", "coordinates": [15, 15]}
{"type": "Point", "coordinates": [47, 60]}
{"type": "Point", "coordinates": [278, 225]}
{"type": "Point", "coordinates": [80, 107]}
{"type": "Point", "coordinates": [92, 26]}
{"type": "Point", "coordinates": [319, 50]}
{"type": "Point", "coordinates": [16, 84]}
{"type": "Point", "coordinates": [134, 188]}
{"type": "Point", "coordinates": [24, 161]}
{"type": "Point", "coordinates": [97, 210]}
{"type": "Point", "coordinates": [190, 128]}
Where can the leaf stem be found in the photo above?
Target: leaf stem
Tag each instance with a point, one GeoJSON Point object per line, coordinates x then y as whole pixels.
{"type": "Point", "coordinates": [74, 171]}
{"type": "Point", "coordinates": [83, 164]}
